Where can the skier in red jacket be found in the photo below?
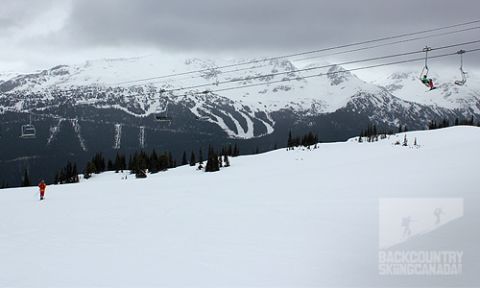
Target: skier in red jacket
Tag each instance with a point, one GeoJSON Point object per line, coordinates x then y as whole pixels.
{"type": "Point", "coordinates": [42, 187]}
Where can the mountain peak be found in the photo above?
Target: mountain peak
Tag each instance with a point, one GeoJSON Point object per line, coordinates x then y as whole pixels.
{"type": "Point", "coordinates": [338, 75]}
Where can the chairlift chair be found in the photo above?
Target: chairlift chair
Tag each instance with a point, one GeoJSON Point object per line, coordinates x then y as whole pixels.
{"type": "Point", "coordinates": [463, 73]}
{"type": "Point", "coordinates": [203, 118]}
{"type": "Point", "coordinates": [28, 131]}
{"type": "Point", "coordinates": [425, 67]}
{"type": "Point", "coordinates": [162, 116]}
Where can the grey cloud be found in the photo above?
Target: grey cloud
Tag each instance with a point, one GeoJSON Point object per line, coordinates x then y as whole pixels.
{"type": "Point", "coordinates": [211, 25]}
{"type": "Point", "coordinates": [23, 22]}
{"type": "Point", "coordinates": [231, 27]}
{"type": "Point", "coordinates": [19, 13]}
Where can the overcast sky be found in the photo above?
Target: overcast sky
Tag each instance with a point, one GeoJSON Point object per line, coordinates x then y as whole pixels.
{"type": "Point", "coordinates": [39, 34]}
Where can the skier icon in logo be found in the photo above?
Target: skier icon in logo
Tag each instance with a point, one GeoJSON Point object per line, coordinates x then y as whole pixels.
{"type": "Point", "coordinates": [406, 226]}
{"type": "Point", "coordinates": [438, 212]}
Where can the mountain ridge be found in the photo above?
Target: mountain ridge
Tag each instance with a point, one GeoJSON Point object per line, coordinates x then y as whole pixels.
{"type": "Point", "coordinates": [92, 84]}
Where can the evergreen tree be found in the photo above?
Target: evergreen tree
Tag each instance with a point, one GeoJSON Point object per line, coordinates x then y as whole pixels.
{"type": "Point", "coordinates": [120, 163]}
{"type": "Point", "coordinates": [26, 179]}
{"type": "Point", "coordinates": [445, 123]}
{"type": "Point", "coordinates": [192, 159]}
{"type": "Point", "coordinates": [116, 164]}
{"type": "Point", "coordinates": [75, 178]}
{"type": "Point", "coordinates": [99, 162]}
{"type": "Point", "coordinates": [89, 170]}
{"type": "Point", "coordinates": [184, 158]}
{"type": "Point", "coordinates": [200, 156]}
{"type": "Point", "coordinates": [123, 163]}
{"type": "Point", "coordinates": [140, 164]}
{"type": "Point", "coordinates": [62, 176]}
{"type": "Point", "coordinates": [171, 161]}
{"type": "Point", "coordinates": [143, 161]}
{"type": "Point", "coordinates": [290, 140]}
{"type": "Point", "coordinates": [212, 161]}
{"type": "Point", "coordinates": [110, 165]}
{"type": "Point", "coordinates": [140, 173]}
{"type": "Point", "coordinates": [236, 150]}
{"type": "Point", "coordinates": [164, 162]}
{"type": "Point", "coordinates": [154, 162]}
{"type": "Point", "coordinates": [309, 139]}
{"type": "Point", "coordinates": [4, 185]}
{"type": "Point", "coordinates": [70, 173]}
{"type": "Point", "coordinates": [405, 142]}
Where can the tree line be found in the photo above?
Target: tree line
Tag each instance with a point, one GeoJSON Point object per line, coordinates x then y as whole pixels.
{"type": "Point", "coordinates": [142, 163]}
{"type": "Point", "coordinates": [306, 140]}
{"type": "Point", "coordinates": [372, 133]}
{"type": "Point", "coordinates": [444, 123]}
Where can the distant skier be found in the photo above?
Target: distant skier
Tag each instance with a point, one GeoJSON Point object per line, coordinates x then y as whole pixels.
{"type": "Point", "coordinates": [42, 187]}
{"type": "Point", "coordinates": [428, 82]}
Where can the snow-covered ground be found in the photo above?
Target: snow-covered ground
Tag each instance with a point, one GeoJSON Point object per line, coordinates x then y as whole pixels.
{"type": "Point", "coordinates": [280, 219]}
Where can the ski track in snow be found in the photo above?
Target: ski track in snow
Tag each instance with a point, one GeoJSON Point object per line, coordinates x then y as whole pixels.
{"type": "Point", "coordinates": [54, 131]}
{"type": "Point", "coordinates": [76, 128]}
{"type": "Point", "coordinates": [117, 136]}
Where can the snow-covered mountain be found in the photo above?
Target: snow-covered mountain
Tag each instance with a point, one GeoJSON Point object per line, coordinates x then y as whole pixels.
{"type": "Point", "coordinates": [99, 105]}
{"type": "Point", "coordinates": [240, 113]}
{"type": "Point", "coordinates": [298, 218]}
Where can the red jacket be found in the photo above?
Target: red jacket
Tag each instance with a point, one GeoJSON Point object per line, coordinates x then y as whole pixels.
{"type": "Point", "coordinates": [42, 186]}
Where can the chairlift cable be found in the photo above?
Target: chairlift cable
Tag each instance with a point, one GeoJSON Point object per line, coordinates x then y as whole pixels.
{"type": "Point", "coordinates": [302, 53]}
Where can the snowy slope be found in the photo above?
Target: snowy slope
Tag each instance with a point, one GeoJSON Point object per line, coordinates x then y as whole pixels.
{"type": "Point", "coordinates": [284, 218]}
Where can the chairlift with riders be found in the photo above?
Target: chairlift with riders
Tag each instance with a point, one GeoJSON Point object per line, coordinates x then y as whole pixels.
{"type": "Point", "coordinates": [424, 74]}
{"type": "Point", "coordinates": [162, 116]}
